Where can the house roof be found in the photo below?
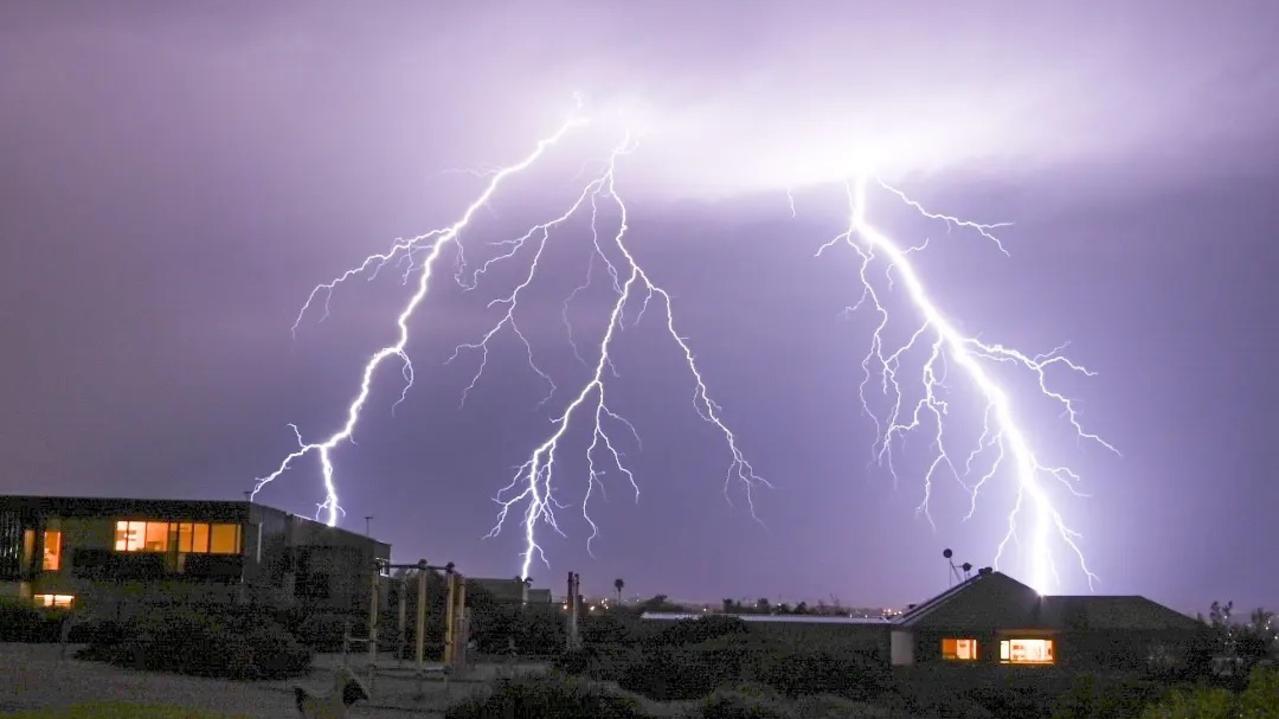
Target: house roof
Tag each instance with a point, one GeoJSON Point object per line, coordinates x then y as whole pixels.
{"type": "Point", "coordinates": [766, 618]}
{"type": "Point", "coordinates": [992, 600]}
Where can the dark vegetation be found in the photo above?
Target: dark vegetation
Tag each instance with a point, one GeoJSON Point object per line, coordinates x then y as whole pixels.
{"type": "Point", "coordinates": [726, 668]}
{"type": "Point", "coordinates": [21, 622]}
{"type": "Point", "coordinates": [231, 643]}
{"type": "Point", "coordinates": [714, 667]}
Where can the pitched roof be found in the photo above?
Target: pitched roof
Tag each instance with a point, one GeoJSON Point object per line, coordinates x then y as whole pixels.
{"type": "Point", "coordinates": [1113, 612]}
{"type": "Point", "coordinates": [993, 600]}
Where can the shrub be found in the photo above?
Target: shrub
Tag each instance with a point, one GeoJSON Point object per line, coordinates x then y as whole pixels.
{"type": "Point", "coordinates": [536, 697]}
{"type": "Point", "coordinates": [203, 643]}
{"type": "Point", "coordinates": [1258, 700]}
{"type": "Point", "coordinates": [795, 673]}
{"type": "Point", "coordinates": [1090, 698]}
{"type": "Point", "coordinates": [681, 673]}
{"type": "Point", "coordinates": [323, 632]}
{"type": "Point", "coordinates": [604, 662]}
{"type": "Point", "coordinates": [21, 622]}
{"type": "Point", "coordinates": [745, 702]}
{"type": "Point", "coordinates": [830, 707]}
{"type": "Point", "coordinates": [696, 631]}
{"type": "Point", "coordinates": [114, 710]}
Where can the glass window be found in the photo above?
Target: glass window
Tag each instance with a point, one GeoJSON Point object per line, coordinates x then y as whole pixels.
{"type": "Point", "coordinates": [52, 551]}
{"type": "Point", "coordinates": [963, 650]}
{"type": "Point", "coordinates": [225, 539]}
{"type": "Point", "coordinates": [157, 537]}
{"type": "Point", "coordinates": [61, 601]}
{"type": "Point", "coordinates": [184, 537]}
{"type": "Point", "coordinates": [137, 536]}
{"type": "Point", "coordinates": [1026, 651]}
{"type": "Point", "coordinates": [200, 539]}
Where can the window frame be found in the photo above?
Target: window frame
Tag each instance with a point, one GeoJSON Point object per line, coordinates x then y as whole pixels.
{"type": "Point", "coordinates": [54, 601]}
{"type": "Point", "coordinates": [972, 645]}
{"type": "Point", "coordinates": [178, 537]}
{"type": "Point", "coordinates": [52, 538]}
{"type": "Point", "coordinates": [1048, 643]}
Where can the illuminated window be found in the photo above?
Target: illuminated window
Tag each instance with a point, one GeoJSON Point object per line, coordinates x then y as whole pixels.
{"type": "Point", "coordinates": [200, 539]}
{"type": "Point", "coordinates": [960, 650]}
{"type": "Point", "coordinates": [1026, 651]}
{"type": "Point", "coordinates": [187, 537]}
{"type": "Point", "coordinates": [224, 539]}
{"type": "Point", "coordinates": [59, 601]}
{"type": "Point", "coordinates": [52, 551]}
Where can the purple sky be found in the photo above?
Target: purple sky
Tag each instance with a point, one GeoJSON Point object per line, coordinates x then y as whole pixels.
{"type": "Point", "coordinates": [177, 178]}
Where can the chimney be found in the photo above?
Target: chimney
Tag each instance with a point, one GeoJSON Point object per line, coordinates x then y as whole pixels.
{"type": "Point", "coordinates": [985, 570]}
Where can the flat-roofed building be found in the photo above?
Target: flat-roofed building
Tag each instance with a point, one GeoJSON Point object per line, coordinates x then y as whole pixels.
{"type": "Point", "coordinates": [100, 554]}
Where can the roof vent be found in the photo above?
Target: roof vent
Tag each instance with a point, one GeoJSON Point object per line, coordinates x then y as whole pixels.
{"type": "Point", "coordinates": [985, 570]}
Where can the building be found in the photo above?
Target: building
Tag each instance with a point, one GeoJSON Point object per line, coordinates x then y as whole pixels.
{"type": "Point", "coordinates": [102, 555]}
{"type": "Point", "coordinates": [510, 591]}
{"type": "Point", "coordinates": [992, 619]}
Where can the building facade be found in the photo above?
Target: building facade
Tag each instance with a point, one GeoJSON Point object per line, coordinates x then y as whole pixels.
{"type": "Point", "coordinates": [101, 555]}
{"type": "Point", "coordinates": [993, 620]}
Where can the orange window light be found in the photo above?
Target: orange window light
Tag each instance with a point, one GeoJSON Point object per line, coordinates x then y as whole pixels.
{"type": "Point", "coordinates": [52, 551]}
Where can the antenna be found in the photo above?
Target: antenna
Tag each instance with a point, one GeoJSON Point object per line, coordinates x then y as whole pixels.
{"type": "Point", "coordinates": [967, 567]}
{"type": "Point", "coordinates": [954, 571]}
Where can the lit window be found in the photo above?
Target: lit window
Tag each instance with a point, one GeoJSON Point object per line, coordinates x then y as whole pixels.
{"type": "Point", "coordinates": [200, 539]}
{"type": "Point", "coordinates": [1026, 651]}
{"type": "Point", "coordinates": [961, 650]}
{"type": "Point", "coordinates": [59, 601]}
{"type": "Point", "coordinates": [52, 551]}
{"type": "Point", "coordinates": [157, 537]}
{"type": "Point", "coordinates": [225, 539]}
{"type": "Point", "coordinates": [187, 537]}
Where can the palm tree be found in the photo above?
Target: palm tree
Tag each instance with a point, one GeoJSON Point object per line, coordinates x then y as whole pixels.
{"type": "Point", "coordinates": [618, 584]}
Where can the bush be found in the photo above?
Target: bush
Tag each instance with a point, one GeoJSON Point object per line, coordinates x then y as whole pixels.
{"type": "Point", "coordinates": [553, 695]}
{"type": "Point", "coordinates": [1090, 698]}
{"type": "Point", "coordinates": [1258, 700]}
{"type": "Point", "coordinates": [745, 702]}
{"type": "Point", "coordinates": [605, 662]}
{"type": "Point", "coordinates": [829, 707]}
{"type": "Point", "coordinates": [203, 643]}
{"type": "Point", "coordinates": [323, 632]}
{"type": "Point", "coordinates": [21, 622]}
{"type": "Point", "coordinates": [114, 710]}
{"type": "Point", "coordinates": [796, 673]}
{"type": "Point", "coordinates": [681, 673]}
{"type": "Point", "coordinates": [696, 631]}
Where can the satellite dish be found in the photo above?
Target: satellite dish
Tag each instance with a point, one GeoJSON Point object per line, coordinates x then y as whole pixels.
{"type": "Point", "coordinates": [947, 553]}
{"type": "Point", "coordinates": [968, 567]}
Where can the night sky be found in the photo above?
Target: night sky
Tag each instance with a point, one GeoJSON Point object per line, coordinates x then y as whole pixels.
{"type": "Point", "coordinates": [176, 178]}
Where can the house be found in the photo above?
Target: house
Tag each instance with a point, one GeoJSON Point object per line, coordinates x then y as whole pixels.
{"type": "Point", "coordinates": [103, 555]}
{"type": "Point", "coordinates": [992, 619]}
{"type": "Point", "coordinates": [510, 591]}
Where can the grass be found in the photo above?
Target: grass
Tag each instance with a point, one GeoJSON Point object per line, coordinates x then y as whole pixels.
{"type": "Point", "coordinates": [115, 710]}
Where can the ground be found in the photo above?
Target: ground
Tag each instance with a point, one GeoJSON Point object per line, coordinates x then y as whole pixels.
{"type": "Point", "coordinates": [41, 678]}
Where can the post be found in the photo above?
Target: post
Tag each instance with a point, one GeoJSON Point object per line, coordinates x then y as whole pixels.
{"type": "Point", "coordinates": [449, 616]}
{"type": "Point", "coordinates": [461, 629]}
{"type": "Point", "coordinates": [373, 607]}
{"type": "Point", "coordinates": [421, 616]}
{"type": "Point", "coordinates": [403, 619]}
{"type": "Point", "coordinates": [571, 605]}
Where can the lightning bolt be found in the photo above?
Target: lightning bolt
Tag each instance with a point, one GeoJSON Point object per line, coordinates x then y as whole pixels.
{"type": "Point", "coordinates": [1002, 440]}
{"type": "Point", "coordinates": [432, 244]}
{"type": "Point", "coordinates": [533, 484]}
{"type": "Point", "coordinates": [633, 288]}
